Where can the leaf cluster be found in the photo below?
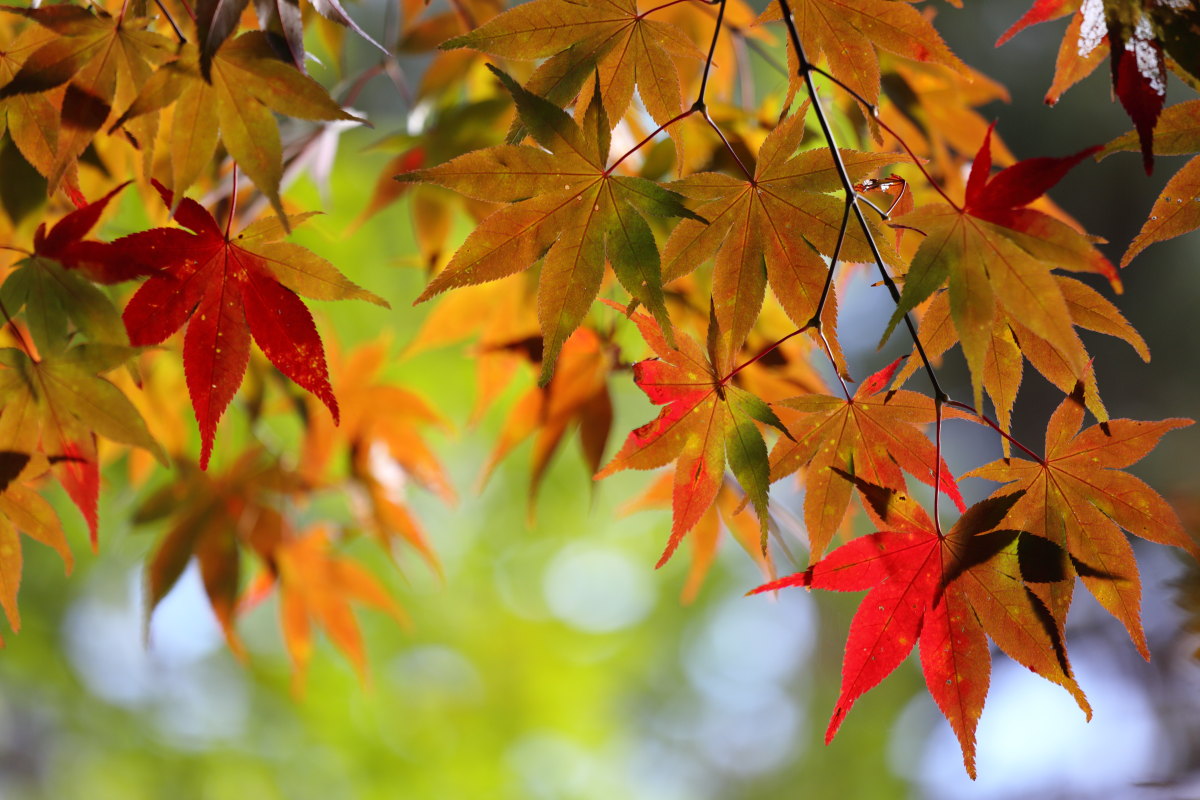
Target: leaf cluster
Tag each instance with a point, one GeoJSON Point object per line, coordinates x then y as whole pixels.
{"type": "Point", "coordinates": [611, 151]}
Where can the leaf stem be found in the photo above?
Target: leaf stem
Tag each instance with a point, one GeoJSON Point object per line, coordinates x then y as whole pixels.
{"type": "Point", "coordinates": [937, 464]}
{"type": "Point", "coordinates": [648, 137]}
{"type": "Point", "coordinates": [883, 215]}
{"type": "Point", "coordinates": [991, 423]}
{"type": "Point", "coordinates": [16, 331]}
{"type": "Point", "coordinates": [712, 124]}
{"type": "Point", "coordinates": [762, 353]}
{"type": "Point", "coordinates": [233, 193]}
{"type": "Point", "coordinates": [650, 11]}
{"type": "Point", "coordinates": [833, 363]}
{"type": "Point", "coordinates": [815, 322]}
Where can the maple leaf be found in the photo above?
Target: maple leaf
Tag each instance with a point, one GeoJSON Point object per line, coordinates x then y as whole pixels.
{"type": "Point", "coordinates": [577, 396]}
{"type": "Point", "coordinates": [1176, 211]}
{"type": "Point", "coordinates": [1079, 498]}
{"type": "Point", "coordinates": [949, 592]}
{"type": "Point", "coordinates": [100, 59]}
{"type": "Point", "coordinates": [228, 290]}
{"type": "Point", "coordinates": [933, 111]}
{"type": "Point", "coordinates": [317, 585]}
{"type": "Point", "coordinates": [58, 404]}
{"type": "Point", "coordinates": [213, 518]}
{"type": "Point", "coordinates": [783, 217]}
{"type": "Point", "coordinates": [567, 209]}
{"type": "Point", "coordinates": [996, 254]}
{"type": "Point", "coordinates": [1040, 11]}
{"type": "Point", "coordinates": [381, 428]}
{"type": "Point", "coordinates": [247, 83]}
{"type": "Point", "coordinates": [32, 119]}
{"type": "Point", "coordinates": [442, 79]}
{"type": "Point", "coordinates": [23, 510]}
{"type": "Point", "coordinates": [705, 421]}
{"type": "Point", "coordinates": [870, 437]}
{"type": "Point", "coordinates": [850, 32]}
{"type": "Point", "coordinates": [216, 20]}
{"type": "Point", "coordinates": [725, 512]}
{"type": "Point", "coordinates": [503, 317]}
{"type": "Point", "coordinates": [610, 37]}
{"type": "Point", "coordinates": [1011, 343]}
{"type": "Point", "coordinates": [216, 518]}
{"type": "Point", "coordinates": [51, 287]}
{"type": "Point", "coordinates": [1136, 34]}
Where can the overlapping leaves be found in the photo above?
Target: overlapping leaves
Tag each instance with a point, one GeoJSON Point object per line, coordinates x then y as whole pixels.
{"type": "Point", "coordinates": [848, 33]}
{"type": "Point", "coordinates": [1139, 36]}
{"type": "Point", "coordinates": [1177, 209]}
{"type": "Point", "coordinates": [1079, 498]}
{"type": "Point", "coordinates": [54, 398]}
{"type": "Point", "coordinates": [609, 38]}
{"type": "Point", "coordinates": [227, 290]}
{"type": "Point", "coordinates": [216, 519]}
{"type": "Point", "coordinates": [873, 437]}
{"type": "Point", "coordinates": [23, 510]}
{"type": "Point", "coordinates": [246, 83]}
{"type": "Point", "coordinates": [705, 421]}
{"type": "Point", "coordinates": [995, 254]}
{"type": "Point", "coordinates": [567, 210]}
{"type": "Point", "coordinates": [92, 60]}
{"type": "Point", "coordinates": [947, 592]}
{"type": "Point", "coordinates": [783, 218]}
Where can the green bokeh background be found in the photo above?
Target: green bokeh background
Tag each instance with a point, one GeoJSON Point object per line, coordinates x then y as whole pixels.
{"type": "Point", "coordinates": [503, 687]}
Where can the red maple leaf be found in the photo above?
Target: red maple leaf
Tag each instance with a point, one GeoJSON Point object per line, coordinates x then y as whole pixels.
{"type": "Point", "coordinates": [945, 591]}
{"type": "Point", "coordinates": [228, 290]}
{"type": "Point", "coordinates": [64, 243]}
{"type": "Point", "coordinates": [1143, 39]}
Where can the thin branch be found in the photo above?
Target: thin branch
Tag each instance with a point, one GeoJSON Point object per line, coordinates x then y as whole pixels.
{"type": "Point", "coordinates": [757, 48]}
{"type": "Point", "coordinates": [817, 316]}
{"type": "Point", "coordinates": [883, 215]}
{"type": "Point", "coordinates": [833, 363]}
{"type": "Point", "coordinates": [917, 162]}
{"type": "Point", "coordinates": [776, 531]}
{"type": "Point", "coordinates": [396, 74]}
{"type": "Point", "coordinates": [171, 21]}
{"type": "Point", "coordinates": [848, 186]}
{"type": "Point", "coordinates": [873, 110]}
{"type": "Point", "coordinates": [708, 62]}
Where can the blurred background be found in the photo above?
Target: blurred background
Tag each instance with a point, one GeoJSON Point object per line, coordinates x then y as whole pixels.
{"type": "Point", "coordinates": [551, 660]}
